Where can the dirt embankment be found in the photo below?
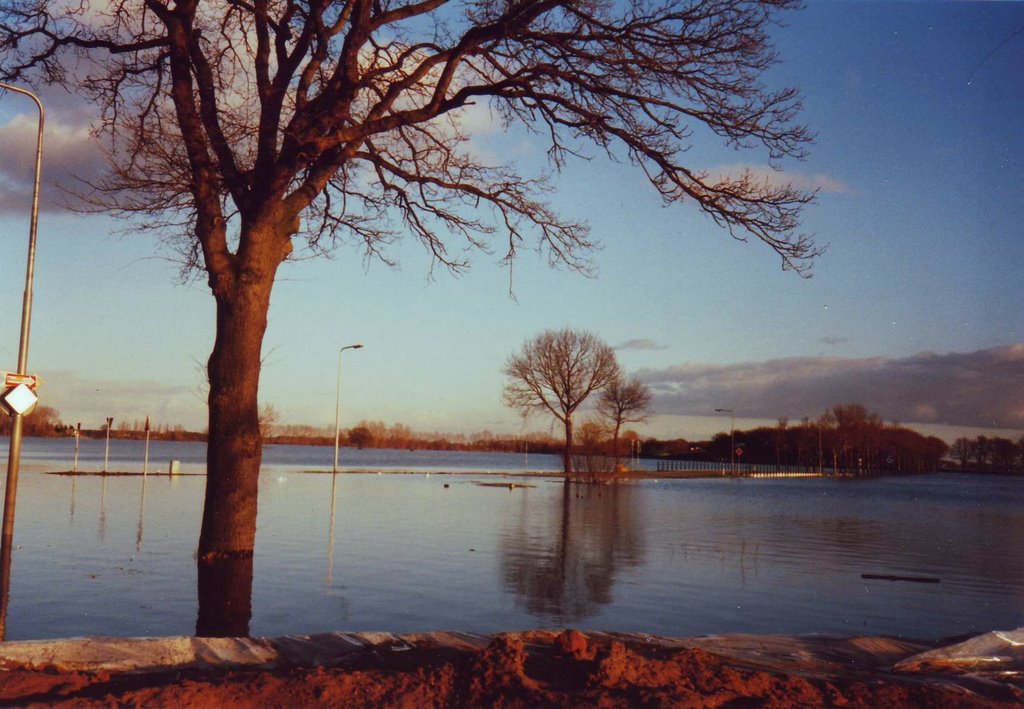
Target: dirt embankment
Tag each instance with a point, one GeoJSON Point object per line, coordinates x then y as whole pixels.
{"type": "Point", "coordinates": [537, 669]}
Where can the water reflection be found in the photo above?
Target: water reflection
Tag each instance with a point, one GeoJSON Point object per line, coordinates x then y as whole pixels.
{"type": "Point", "coordinates": [330, 533]}
{"type": "Point", "coordinates": [74, 480]}
{"type": "Point", "coordinates": [562, 564]}
{"type": "Point", "coordinates": [142, 516]}
{"type": "Point", "coordinates": [667, 557]}
{"type": "Point", "coordinates": [103, 510]}
{"type": "Point", "coordinates": [225, 596]}
{"type": "Point", "coordinates": [6, 543]}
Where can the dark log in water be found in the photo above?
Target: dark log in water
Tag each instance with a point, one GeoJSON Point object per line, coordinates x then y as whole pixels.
{"type": "Point", "coordinates": [890, 577]}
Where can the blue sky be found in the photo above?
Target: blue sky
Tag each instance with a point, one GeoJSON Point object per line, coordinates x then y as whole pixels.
{"type": "Point", "coordinates": [914, 310]}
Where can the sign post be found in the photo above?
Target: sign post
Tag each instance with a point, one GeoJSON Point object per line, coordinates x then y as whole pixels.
{"type": "Point", "coordinates": [106, 449]}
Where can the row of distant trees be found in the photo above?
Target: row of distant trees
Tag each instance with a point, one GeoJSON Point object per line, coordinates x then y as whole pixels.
{"type": "Point", "coordinates": [846, 437]}
{"type": "Point", "coordinates": [46, 422]}
{"type": "Point", "coordinates": [378, 434]}
{"type": "Point", "coordinates": [986, 454]}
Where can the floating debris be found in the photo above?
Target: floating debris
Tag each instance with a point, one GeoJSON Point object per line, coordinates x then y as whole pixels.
{"type": "Point", "coordinates": [891, 577]}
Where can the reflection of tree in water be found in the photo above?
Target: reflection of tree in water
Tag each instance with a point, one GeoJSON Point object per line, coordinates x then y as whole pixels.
{"type": "Point", "coordinates": [562, 563]}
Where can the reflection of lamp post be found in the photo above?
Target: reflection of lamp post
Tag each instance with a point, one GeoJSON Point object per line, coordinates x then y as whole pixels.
{"type": "Point", "coordinates": [14, 454]}
{"type": "Point", "coordinates": [337, 406]}
{"type": "Point", "coordinates": [732, 435]}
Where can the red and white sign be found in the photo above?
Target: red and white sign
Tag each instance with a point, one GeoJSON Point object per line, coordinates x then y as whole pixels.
{"type": "Point", "coordinates": [12, 380]}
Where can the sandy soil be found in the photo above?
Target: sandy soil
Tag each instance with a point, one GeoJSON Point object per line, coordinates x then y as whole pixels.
{"type": "Point", "coordinates": [535, 669]}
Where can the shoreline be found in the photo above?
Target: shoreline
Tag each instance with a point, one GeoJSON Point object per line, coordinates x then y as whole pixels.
{"type": "Point", "coordinates": [519, 669]}
{"type": "Point", "coordinates": [556, 476]}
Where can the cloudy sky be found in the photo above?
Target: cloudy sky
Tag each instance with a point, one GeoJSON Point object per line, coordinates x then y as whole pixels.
{"type": "Point", "coordinates": [914, 310]}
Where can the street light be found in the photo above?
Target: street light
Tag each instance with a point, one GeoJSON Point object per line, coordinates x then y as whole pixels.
{"type": "Point", "coordinates": [337, 405]}
{"type": "Point", "coordinates": [14, 454]}
{"type": "Point", "coordinates": [732, 435]}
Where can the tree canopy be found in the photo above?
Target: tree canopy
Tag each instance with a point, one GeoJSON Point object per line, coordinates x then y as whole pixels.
{"type": "Point", "coordinates": [218, 115]}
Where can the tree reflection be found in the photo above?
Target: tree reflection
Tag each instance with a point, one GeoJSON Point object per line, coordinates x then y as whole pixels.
{"type": "Point", "coordinates": [225, 596]}
{"type": "Point", "coordinates": [562, 565]}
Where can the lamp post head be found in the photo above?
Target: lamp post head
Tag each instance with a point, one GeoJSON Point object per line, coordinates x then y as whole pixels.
{"type": "Point", "coordinates": [727, 411]}
{"type": "Point", "coordinates": [350, 347]}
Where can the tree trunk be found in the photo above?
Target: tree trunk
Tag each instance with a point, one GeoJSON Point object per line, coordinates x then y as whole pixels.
{"type": "Point", "coordinates": [567, 454]}
{"type": "Point", "coordinates": [233, 457]}
{"type": "Point", "coordinates": [235, 447]}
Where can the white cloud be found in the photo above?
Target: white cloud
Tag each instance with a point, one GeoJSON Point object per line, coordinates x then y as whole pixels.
{"type": "Point", "coordinates": [781, 178]}
{"type": "Point", "coordinates": [640, 344]}
{"type": "Point", "coordinates": [90, 401]}
{"type": "Point", "coordinates": [70, 154]}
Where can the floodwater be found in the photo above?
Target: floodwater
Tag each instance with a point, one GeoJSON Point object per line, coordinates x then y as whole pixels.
{"type": "Point", "coordinates": [404, 553]}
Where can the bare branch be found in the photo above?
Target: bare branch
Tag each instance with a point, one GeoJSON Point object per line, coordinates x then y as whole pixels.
{"type": "Point", "coordinates": [288, 108]}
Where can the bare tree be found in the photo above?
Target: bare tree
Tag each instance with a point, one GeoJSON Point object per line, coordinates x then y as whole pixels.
{"type": "Point", "coordinates": [591, 460]}
{"type": "Point", "coordinates": [234, 128]}
{"type": "Point", "coordinates": [623, 401]}
{"type": "Point", "coordinates": [555, 372]}
{"type": "Point", "coordinates": [269, 418]}
{"type": "Point", "coordinates": [962, 451]}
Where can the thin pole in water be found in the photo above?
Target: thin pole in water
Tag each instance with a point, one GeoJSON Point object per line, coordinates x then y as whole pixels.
{"type": "Point", "coordinates": [145, 461]}
{"type": "Point", "coordinates": [78, 437]}
{"type": "Point", "coordinates": [106, 450]}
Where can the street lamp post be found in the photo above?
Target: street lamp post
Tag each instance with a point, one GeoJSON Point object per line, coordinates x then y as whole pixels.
{"type": "Point", "coordinates": [337, 406]}
{"type": "Point", "coordinates": [14, 450]}
{"type": "Point", "coordinates": [14, 453]}
{"type": "Point", "coordinates": [732, 436]}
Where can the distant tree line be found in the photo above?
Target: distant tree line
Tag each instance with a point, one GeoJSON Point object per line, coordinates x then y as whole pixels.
{"type": "Point", "coordinates": [989, 455]}
{"type": "Point", "coordinates": [46, 422]}
{"type": "Point", "coordinates": [377, 434]}
{"type": "Point", "coordinates": [43, 421]}
{"type": "Point", "coordinates": [847, 437]}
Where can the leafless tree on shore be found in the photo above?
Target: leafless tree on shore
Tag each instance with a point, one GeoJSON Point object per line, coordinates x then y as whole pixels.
{"type": "Point", "coordinates": [555, 372]}
{"type": "Point", "coordinates": [623, 401]}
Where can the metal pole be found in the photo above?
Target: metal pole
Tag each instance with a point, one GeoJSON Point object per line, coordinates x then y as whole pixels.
{"type": "Point", "coordinates": [337, 407]}
{"type": "Point", "coordinates": [732, 441]}
{"type": "Point", "coordinates": [145, 460]}
{"type": "Point", "coordinates": [106, 449]}
{"type": "Point", "coordinates": [820, 472]}
{"type": "Point", "coordinates": [732, 437]}
{"type": "Point", "coordinates": [78, 437]}
{"type": "Point", "coordinates": [14, 454]}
